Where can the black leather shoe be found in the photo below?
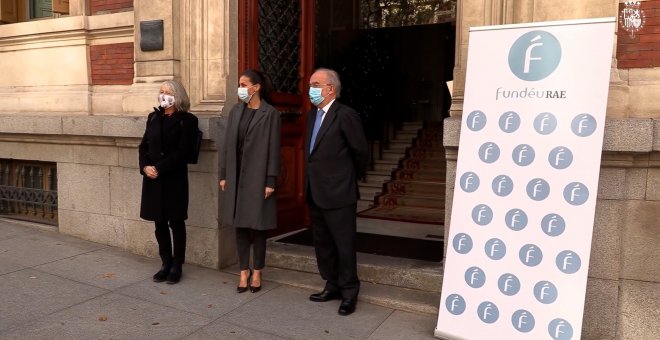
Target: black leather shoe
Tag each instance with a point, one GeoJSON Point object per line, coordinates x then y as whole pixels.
{"type": "Point", "coordinates": [325, 295]}
{"type": "Point", "coordinates": [347, 307]}
{"type": "Point", "coordinates": [162, 274]}
{"type": "Point", "coordinates": [174, 276]}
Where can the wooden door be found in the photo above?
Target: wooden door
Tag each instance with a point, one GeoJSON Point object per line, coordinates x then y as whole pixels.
{"type": "Point", "coordinates": [277, 37]}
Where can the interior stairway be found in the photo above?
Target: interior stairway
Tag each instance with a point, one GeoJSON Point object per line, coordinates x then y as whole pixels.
{"type": "Point", "coordinates": [408, 183]}
{"type": "Point", "coordinates": [386, 163]}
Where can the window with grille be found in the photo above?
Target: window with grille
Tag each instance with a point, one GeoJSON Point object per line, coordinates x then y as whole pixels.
{"type": "Point", "coordinates": [28, 190]}
{"type": "Point", "coordinates": [395, 13]}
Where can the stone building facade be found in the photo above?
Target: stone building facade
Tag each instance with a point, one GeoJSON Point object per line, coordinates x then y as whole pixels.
{"type": "Point", "coordinates": [75, 91]}
{"type": "Point", "coordinates": [623, 290]}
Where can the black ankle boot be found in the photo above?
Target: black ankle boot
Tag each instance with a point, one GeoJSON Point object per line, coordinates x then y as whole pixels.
{"type": "Point", "coordinates": [175, 274]}
{"type": "Point", "coordinates": [162, 273]}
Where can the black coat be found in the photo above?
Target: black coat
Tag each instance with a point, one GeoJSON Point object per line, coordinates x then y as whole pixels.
{"type": "Point", "coordinates": [164, 145]}
{"type": "Point", "coordinates": [244, 205]}
{"type": "Point", "coordinates": [339, 157]}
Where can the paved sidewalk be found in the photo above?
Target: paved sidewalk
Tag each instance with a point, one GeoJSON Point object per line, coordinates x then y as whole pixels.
{"type": "Point", "coordinates": [54, 286]}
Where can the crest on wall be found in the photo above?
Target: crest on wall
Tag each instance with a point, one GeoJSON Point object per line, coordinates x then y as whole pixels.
{"type": "Point", "coordinates": [632, 17]}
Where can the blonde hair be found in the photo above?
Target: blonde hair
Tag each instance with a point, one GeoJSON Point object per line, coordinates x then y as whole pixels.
{"type": "Point", "coordinates": [181, 100]}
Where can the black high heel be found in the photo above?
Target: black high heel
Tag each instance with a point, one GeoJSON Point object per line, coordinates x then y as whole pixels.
{"type": "Point", "coordinates": [240, 289]}
{"type": "Point", "coordinates": [254, 289]}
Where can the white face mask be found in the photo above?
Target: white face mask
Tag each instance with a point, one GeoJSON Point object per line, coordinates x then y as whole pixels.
{"type": "Point", "coordinates": [244, 94]}
{"type": "Point", "coordinates": [165, 100]}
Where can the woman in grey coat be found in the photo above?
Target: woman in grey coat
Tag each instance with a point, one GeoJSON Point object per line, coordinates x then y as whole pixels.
{"type": "Point", "coordinates": [249, 164]}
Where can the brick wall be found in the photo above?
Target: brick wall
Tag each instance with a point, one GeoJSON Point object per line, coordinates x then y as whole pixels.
{"type": "Point", "coordinates": [109, 6]}
{"type": "Point", "coordinates": [112, 64]}
{"type": "Point", "coordinates": [640, 48]}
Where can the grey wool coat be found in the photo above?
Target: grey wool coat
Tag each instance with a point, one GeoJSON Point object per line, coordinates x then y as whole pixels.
{"type": "Point", "coordinates": [244, 205]}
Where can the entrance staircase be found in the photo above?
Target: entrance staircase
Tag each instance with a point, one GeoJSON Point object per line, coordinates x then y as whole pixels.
{"type": "Point", "coordinates": [398, 283]}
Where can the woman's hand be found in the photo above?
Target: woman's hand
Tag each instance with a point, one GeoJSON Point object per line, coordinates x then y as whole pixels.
{"type": "Point", "coordinates": [269, 191]}
{"type": "Point", "coordinates": [150, 171]}
{"type": "Point", "coordinates": [222, 184]}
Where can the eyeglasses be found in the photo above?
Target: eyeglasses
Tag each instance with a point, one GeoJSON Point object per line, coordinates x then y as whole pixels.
{"type": "Point", "coordinates": [317, 85]}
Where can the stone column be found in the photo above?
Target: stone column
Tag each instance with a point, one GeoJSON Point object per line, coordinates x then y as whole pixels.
{"type": "Point", "coordinates": [154, 67]}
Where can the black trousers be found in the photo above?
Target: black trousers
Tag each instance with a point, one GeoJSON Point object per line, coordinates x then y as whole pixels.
{"type": "Point", "coordinates": [171, 255]}
{"type": "Point", "coordinates": [334, 233]}
{"type": "Point", "coordinates": [245, 237]}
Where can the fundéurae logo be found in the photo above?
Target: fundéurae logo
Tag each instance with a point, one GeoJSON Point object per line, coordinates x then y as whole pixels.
{"type": "Point", "coordinates": [535, 55]}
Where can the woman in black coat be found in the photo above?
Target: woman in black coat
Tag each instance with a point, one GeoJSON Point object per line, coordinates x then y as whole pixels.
{"type": "Point", "coordinates": [249, 164]}
{"type": "Point", "coordinates": [168, 138]}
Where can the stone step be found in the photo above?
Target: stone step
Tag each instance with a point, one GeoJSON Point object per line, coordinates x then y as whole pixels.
{"type": "Point", "coordinates": [385, 270]}
{"type": "Point", "coordinates": [412, 126]}
{"type": "Point", "coordinates": [393, 155]}
{"type": "Point", "coordinates": [368, 193]}
{"type": "Point", "coordinates": [378, 176]}
{"type": "Point", "coordinates": [405, 135]}
{"type": "Point", "coordinates": [385, 166]}
{"type": "Point", "coordinates": [363, 204]}
{"type": "Point", "coordinates": [398, 145]}
{"type": "Point", "coordinates": [409, 300]}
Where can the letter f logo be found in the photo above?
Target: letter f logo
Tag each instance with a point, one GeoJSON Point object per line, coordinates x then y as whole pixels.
{"type": "Point", "coordinates": [528, 53]}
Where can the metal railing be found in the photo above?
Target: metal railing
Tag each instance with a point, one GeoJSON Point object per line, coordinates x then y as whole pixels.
{"type": "Point", "coordinates": [28, 190]}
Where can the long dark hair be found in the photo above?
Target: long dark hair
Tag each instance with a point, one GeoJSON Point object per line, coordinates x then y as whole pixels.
{"type": "Point", "coordinates": [258, 77]}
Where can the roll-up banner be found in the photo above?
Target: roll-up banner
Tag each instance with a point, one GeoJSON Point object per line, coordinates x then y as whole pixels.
{"type": "Point", "coordinates": [526, 180]}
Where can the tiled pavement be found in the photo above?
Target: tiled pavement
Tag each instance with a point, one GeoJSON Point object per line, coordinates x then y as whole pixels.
{"type": "Point", "coordinates": [54, 286]}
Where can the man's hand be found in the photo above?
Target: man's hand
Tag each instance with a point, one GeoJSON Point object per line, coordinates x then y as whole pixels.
{"type": "Point", "coordinates": [222, 184]}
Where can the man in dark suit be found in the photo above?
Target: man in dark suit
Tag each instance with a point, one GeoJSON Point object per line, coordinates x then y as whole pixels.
{"type": "Point", "coordinates": [336, 155]}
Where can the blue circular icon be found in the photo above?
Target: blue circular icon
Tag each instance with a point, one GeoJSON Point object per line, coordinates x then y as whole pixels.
{"type": "Point", "coordinates": [476, 120]}
{"type": "Point", "coordinates": [475, 277]}
{"type": "Point", "coordinates": [469, 182]}
{"type": "Point", "coordinates": [455, 304]}
{"type": "Point", "coordinates": [576, 193]}
{"type": "Point", "coordinates": [522, 320]}
{"type": "Point", "coordinates": [530, 255]}
{"type": "Point", "coordinates": [509, 122]}
{"type": "Point", "coordinates": [553, 225]}
{"type": "Point", "coordinates": [489, 152]}
{"type": "Point", "coordinates": [488, 312]}
{"type": "Point", "coordinates": [560, 329]}
{"type": "Point", "coordinates": [502, 185]}
{"type": "Point", "coordinates": [584, 125]}
{"type": "Point", "coordinates": [568, 262]}
{"type": "Point", "coordinates": [482, 214]}
{"type": "Point", "coordinates": [523, 155]}
{"type": "Point", "coordinates": [545, 123]}
{"type": "Point", "coordinates": [535, 55]}
{"type": "Point", "coordinates": [516, 219]}
{"type": "Point", "coordinates": [495, 249]}
{"type": "Point", "coordinates": [508, 284]}
{"type": "Point", "coordinates": [538, 189]}
{"type": "Point", "coordinates": [560, 157]}
{"type": "Point", "coordinates": [462, 243]}
{"type": "Point", "coordinates": [545, 292]}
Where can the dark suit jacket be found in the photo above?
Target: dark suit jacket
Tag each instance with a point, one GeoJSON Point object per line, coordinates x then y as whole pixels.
{"type": "Point", "coordinates": [338, 160]}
